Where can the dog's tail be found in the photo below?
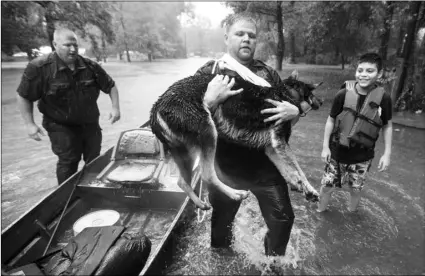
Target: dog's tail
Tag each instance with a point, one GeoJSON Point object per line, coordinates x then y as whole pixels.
{"type": "Point", "coordinates": [155, 126]}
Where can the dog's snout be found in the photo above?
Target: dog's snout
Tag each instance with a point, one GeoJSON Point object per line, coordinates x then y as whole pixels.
{"type": "Point", "coordinates": [315, 102]}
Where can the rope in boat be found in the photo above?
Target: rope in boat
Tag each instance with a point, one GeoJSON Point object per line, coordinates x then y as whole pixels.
{"type": "Point", "coordinates": [64, 209]}
{"type": "Point", "coordinates": [200, 218]}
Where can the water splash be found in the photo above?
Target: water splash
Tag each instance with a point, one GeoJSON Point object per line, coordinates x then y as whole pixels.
{"type": "Point", "coordinates": [249, 232]}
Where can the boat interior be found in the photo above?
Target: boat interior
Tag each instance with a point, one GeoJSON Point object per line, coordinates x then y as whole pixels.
{"type": "Point", "coordinates": [136, 178]}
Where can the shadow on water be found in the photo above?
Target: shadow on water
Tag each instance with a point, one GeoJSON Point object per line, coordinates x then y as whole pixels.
{"type": "Point", "coordinates": [385, 236]}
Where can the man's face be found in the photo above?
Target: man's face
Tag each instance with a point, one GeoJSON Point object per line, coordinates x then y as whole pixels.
{"type": "Point", "coordinates": [67, 47]}
{"type": "Point", "coordinates": [241, 41]}
{"type": "Point", "coordinates": [367, 74]}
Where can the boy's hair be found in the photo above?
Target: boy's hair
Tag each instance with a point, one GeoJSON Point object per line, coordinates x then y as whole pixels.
{"type": "Point", "coordinates": [373, 58]}
{"type": "Point", "coordinates": [236, 17]}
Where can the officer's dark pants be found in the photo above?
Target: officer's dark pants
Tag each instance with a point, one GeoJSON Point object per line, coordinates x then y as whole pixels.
{"type": "Point", "coordinates": [69, 143]}
{"type": "Point", "coordinates": [276, 209]}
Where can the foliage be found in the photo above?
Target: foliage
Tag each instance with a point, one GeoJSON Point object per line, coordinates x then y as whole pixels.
{"type": "Point", "coordinates": [149, 26]}
{"type": "Point", "coordinates": [340, 27]}
{"type": "Point", "coordinates": [21, 27]}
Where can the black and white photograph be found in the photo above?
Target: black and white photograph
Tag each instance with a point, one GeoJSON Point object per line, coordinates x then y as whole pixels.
{"type": "Point", "coordinates": [212, 138]}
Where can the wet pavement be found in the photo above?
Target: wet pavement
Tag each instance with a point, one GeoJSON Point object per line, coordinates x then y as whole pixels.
{"type": "Point", "coordinates": [384, 237]}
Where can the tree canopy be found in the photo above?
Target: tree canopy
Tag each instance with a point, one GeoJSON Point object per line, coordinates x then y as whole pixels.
{"type": "Point", "coordinates": [322, 32]}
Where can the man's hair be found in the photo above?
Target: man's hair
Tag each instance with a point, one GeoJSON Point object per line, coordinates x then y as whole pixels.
{"type": "Point", "coordinates": [373, 58]}
{"type": "Point", "coordinates": [60, 32]}
{"type": "Point", "coordinates": [236, 17]}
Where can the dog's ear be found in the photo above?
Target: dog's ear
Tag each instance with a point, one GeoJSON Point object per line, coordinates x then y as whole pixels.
{"type": "Point", "coordinates": [294, 75]}
{"type": "Point", "coordinates": [315, 85]}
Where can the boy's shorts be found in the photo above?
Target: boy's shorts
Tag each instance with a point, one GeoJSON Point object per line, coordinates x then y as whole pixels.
{"type": "Point", "coordinates": [353, 174]}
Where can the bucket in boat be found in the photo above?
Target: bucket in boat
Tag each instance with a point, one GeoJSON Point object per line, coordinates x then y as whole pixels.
{"type": "Point", "coordinates": [96, 219]}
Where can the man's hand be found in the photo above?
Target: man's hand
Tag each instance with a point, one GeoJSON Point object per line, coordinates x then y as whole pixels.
{"type": "Point", "coordinates": [384, 162]}
{"type": "Point", "coordinates": [34, 132]}
{"type": "Point", "coordinates": [219, 90]}
{"type": "Point", "coordinates": [326, 154]}
{"type": "Point", "coordinates": [115, 115]}
{"type": "Point", "coordinates": [283, 111]}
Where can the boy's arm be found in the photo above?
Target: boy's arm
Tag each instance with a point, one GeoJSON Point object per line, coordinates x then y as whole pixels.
{"type": "Point", "coordinates": [387, 132]}
{"type": "Point", "coordinates": [326, 152]}
{"type": "Point", "coordinates": [328, 130]}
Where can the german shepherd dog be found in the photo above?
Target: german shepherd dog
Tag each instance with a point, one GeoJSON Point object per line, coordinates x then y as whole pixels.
{"type": "Point", "coordinates": [182, 122]}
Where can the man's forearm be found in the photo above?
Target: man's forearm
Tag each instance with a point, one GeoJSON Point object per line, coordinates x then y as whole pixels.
{"type": "Point", "coordinates": [26, 108]}
{"type": "Point", "coordinates": [387, 131]}
{"type": "Point", "coordinates": [115, 99]}
{"type": "Point", "coordinates": [328, 130]}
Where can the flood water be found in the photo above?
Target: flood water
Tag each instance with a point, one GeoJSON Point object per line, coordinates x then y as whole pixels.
{"type": "Point", "coordinates": [385, 236]}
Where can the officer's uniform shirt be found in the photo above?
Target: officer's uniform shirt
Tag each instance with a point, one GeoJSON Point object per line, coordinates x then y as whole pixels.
{"type": "Point", "coordinates": [65, 96]}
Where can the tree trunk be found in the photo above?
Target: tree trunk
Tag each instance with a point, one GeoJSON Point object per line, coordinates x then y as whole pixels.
{"type": "Point", "coordinates": [336, 54]}
{"type": "Point", "coordinates": [313, 56]}
{"type": "Point", "coordinates": [281, 41]}
{"type": "Point", "coordinates": [342, 61]}
{"type": "Point", "coordinates": [50, 24]}
{"type": "Point", "coordinates": [49, 9]}
{"type": "Point", "coordinates": [125, 39]}
{"type": "Point", "coordinates": [401, 39]}
{"type": "Point", "coordinates": [292, 45]}
{"type": "Point", "coordinates": [385, 35]}
{"type": "Point", "coordinates": [103, 47]}
{"type": "Point", "coordinates": [420, 81]}
{"type": "Point", "coordinates": [292, 39]}
{"type": "Point", "coordinates": [409, 44]}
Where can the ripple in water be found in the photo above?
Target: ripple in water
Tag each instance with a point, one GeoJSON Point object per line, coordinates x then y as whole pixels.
{"type": "Point", "coordinates": [195, 256]}
{"type": "Point", "coordinates": [249, 232]}
{"type": "Point", "coordinates": [334, 242]}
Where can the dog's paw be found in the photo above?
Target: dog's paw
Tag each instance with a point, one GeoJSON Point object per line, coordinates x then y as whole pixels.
{"type": "Point", "coordinates": [234, 194]}
{"type": "Point", "coordinates": [296, 187]}
{"type": "Point", "coordinates": [312, 196]}
{"type": "Point", "coordinates": [205, 206]}
{"type": "Point", "coordinates": [202, 205]}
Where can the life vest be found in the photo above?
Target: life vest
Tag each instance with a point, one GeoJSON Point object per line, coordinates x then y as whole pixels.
{"type": "Point", "coordinates": [361, 128]}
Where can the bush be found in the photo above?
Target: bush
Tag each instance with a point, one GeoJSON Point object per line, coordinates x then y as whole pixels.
{"type": "Point", "coordinates": [5, 57]}
{"type": "Point", "coordinates": [326, 59]}
{"type": "Point", "coordinates": [310, 59]}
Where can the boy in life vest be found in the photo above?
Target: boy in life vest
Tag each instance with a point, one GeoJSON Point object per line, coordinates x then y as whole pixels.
{"type": "Point", "coordinates": [359, 111]}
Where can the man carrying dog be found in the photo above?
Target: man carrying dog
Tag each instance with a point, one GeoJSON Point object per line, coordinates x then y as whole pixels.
{"type": "Point", "coordinates": [246, 168]}
{"type": "Point", "coordinates": [67, 86]}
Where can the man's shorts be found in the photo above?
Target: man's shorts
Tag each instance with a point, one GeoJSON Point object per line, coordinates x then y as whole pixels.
{"type": "Point", "coordinates": [353, 174]}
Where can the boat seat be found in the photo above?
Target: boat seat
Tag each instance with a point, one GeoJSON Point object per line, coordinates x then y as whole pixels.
{"type": "Point", "coordinates": [132, 171]}
{"type": "Point", "coordinates": [137, 157]}
{"type": "Point", "coordinates": [137, 143]}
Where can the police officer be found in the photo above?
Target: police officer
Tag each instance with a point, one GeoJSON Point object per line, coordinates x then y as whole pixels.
{"type": "Point", "coordinates": [246, 168]}
{"type": "Point", "coordinates": [66, 86]}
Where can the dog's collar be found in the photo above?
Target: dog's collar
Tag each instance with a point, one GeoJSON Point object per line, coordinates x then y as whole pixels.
{"type": "Point", "coordinates": [304, 112]}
